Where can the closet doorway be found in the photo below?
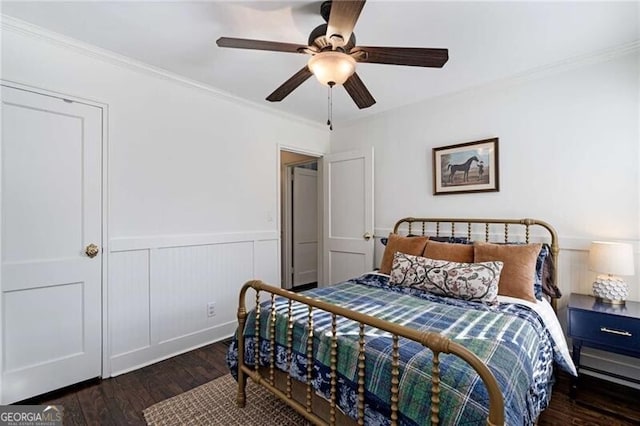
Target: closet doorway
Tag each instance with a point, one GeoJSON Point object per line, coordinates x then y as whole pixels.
{"type": "Point", "coordinates": [300, 234]}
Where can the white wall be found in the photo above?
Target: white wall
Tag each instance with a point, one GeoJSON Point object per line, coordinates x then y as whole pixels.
{"type": "Point", "coordinates": [569, 150]}
{"type": "Point", "coordinates": [569, 153]}
{"type": "Point", "coordinates": [193, 186]}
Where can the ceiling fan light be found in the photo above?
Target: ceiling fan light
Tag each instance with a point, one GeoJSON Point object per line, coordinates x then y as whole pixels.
{"type": "Point", "coordinates": [332, 67]}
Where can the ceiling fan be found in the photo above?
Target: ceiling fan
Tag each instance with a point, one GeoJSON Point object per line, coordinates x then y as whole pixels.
{"type": "Point", "coordinates": [334, 53]}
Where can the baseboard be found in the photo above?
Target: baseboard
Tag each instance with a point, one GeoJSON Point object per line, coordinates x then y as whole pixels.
{"type": "Point", "coordinates": [133, 360]}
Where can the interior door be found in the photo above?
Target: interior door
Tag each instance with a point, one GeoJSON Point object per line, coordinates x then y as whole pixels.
{"type": "Point", "coordinates": [348, 215]}
{"type": "Point", "coordinates": [51, 212]}
{"type": "Point", "coordinates": [305, 226]}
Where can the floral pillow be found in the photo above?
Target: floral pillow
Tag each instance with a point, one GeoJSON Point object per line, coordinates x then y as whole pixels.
{"type": "Point", "coordinates": [476, 282]}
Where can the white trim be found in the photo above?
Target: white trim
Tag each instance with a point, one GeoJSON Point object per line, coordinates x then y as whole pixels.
{"type": "Point", "coordinates": [286, 234]}
{"type": "Point", "coordinates": [1, 293]}
{"type": "Point", "coordinates": [561, 66]}
{"type": "Point", "coordinates": [138, 358]}
{"type": "Point", "coordinates": [9, 23]}
{"type": "Point", "coordinates": [166, 241]}
{"type": "Point", "coordinates": [296, 150]}
{"type": "Point", "coordinates": [106, 342]}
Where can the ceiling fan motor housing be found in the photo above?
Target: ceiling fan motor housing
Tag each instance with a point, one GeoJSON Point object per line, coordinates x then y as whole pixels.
{"type": "Point", "coordinates": [318, 38]}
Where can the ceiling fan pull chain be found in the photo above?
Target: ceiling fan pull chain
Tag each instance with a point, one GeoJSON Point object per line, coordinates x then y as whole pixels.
{"type": "Point", "coordinates": [330, 106]}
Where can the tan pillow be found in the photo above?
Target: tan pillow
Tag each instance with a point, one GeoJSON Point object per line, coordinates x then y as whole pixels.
{"type": "Point", "coordinates": [461, 253]}
{"type": "Point", "coordinates": [518, 272]}
{"type": "Point", "coordinates": [407, 245]}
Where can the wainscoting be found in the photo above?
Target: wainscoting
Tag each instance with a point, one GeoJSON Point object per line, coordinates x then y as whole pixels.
{"type": "Point", "coordinates": [160, 288]}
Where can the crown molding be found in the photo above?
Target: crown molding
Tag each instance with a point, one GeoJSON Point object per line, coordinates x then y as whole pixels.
{"type": "Point", "coordinates": [537, 73]}
{"type": "Point", "coordinates": [558, 67]}
{"type": "Point", "coordinates": [34, 31]}
{"type": "Point", "coordinates": [8, 23]}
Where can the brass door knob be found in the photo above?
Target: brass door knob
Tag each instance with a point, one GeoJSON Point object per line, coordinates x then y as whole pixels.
{"type": "Point", "coordinates": [366, 236]}
{"type": "Point", "coordinates": [92, 250]}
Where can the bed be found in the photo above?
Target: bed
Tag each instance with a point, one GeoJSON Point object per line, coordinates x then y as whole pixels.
{"type": "Point", "coordinates": [430, 338]}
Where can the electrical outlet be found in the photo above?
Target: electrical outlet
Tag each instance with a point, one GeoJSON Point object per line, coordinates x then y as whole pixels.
{"type": "Point", "coordinates": [211, 309]}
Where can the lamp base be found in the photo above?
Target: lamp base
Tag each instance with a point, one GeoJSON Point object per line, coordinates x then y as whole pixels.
{"type": "Point", "coordinates": [611, 290]}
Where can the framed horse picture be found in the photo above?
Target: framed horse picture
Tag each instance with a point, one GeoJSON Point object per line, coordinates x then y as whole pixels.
{"type": "Point", "coordinates": [466, 167]}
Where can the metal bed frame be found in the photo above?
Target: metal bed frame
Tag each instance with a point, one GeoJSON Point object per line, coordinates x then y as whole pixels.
{"type": "Point", "coordinates": [322, 412]}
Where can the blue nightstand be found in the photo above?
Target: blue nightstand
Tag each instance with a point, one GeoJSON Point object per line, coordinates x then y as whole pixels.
{"type": "Point", "coordinates": [611, 328]}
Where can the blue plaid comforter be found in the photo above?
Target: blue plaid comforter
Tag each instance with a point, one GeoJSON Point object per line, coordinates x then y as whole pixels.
{"type": "Point", "coordinates": [510, 339]}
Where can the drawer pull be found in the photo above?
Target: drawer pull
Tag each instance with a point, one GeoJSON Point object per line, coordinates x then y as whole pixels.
{"type": "Point", "coordinates": [621, 333]}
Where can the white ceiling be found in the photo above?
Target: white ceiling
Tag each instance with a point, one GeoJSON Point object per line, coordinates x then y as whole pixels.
{"type": "Point", "coordinates": [487, 41]}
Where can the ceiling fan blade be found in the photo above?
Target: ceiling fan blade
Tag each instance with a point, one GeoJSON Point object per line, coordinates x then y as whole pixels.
{"type": "Point", "coordinates": [290, 85]}
{"type": "Point", "coordinates": [244, 43]}
{"type": "Point", "coordinates": [358, 92]}
{"type": "Point", "coordinates": [411, 56]}
{"type": "Point", "coordinates": [342, 19]}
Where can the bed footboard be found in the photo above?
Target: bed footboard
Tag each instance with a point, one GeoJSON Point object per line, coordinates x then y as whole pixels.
{"type": "Point", "coordinates": [272, 379]}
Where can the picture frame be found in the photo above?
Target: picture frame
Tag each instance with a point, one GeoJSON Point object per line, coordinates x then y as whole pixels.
{"type": "Point", "coordinates": [466, 168]}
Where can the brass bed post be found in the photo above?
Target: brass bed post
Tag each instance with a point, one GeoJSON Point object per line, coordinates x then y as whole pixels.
{"type": "Point", "coordinates": [555, 252]}
{"type": "Point", "coordinates": [309, 359]}
{"type": "Point", "coordinates": [435, 388]}
{"type": "Point", "coordinates": [272, 340]}
{"type": "Point", "coordinates": [289, 345]}
{"type": "Point", "coordinates": [395, 372]}
{"type": "Point", "coordinates": [334, 369]}
{"type": "Point", "coordinates": [256, 333]}
{"type": "Point", "coordinates": [361, 373]}
{"type": "Point", "coordinates": [242, 317]}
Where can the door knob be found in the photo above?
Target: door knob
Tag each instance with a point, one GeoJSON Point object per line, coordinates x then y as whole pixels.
{"type": "Point", "coordinates": [367, 236]}
{"type": "Point", "coordinates": [92, 250]}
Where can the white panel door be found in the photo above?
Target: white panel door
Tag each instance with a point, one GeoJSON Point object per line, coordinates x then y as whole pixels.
{"type": "Point", "coordinates": [348, 215]}
{"type": "Point", "coordinates": [51, 211]}
{"type": "Point", "coordinates": [305, 226]}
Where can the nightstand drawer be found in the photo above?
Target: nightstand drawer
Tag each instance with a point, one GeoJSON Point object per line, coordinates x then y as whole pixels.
{"type": "Point", "coordinates": [622, 332]}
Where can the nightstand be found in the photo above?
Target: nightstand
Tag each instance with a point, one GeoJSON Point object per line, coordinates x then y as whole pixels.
{"type": "Point", "coordinates": [612, 328]}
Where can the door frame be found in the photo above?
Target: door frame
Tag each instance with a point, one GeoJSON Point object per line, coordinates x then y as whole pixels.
{"type": "Point", "coordinates": [287, 247]}
{"type": "Point", "coordinates": [282, 214]}
{"type": "Point", "coordinates": [105, 349]}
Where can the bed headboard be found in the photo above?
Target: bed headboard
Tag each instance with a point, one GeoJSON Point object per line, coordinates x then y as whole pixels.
{"type": "Point", "coordinates": [488, 230]}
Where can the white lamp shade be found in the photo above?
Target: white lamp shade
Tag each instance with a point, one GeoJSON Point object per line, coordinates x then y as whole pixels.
{"type": "Point", "coordinates": [332, 67]}
{"type": "Point", "coordinates": [611, 258]}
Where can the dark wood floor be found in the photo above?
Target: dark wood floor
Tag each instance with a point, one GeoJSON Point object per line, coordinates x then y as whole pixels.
{"type": "Point", "coordinates": [120, 400]}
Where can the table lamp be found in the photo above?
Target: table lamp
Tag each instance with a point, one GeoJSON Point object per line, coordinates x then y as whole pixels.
{"type": "Point", "coordinates": [610, 260]}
